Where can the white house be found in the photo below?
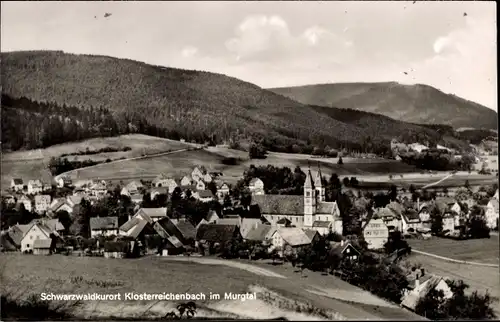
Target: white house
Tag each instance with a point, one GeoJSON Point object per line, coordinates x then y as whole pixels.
{"type": "Point", "coordinates": [448, 222]}
{"type": "Point", "coordinates": [222, 190]}
{"type": "Point", "coordinates": [61, 204]}
{"type": "Point", "coordinates": [491, 213]}
{"type": "Point", "coordinates": [42, 203]}
{"type": "Point", "coordinates": [256, 186]}
{"type": "Point", "coordinates": [375, 233]}
{"type": "Point", "coordinates": [35, 232]}
{"type": "Point", "coordinates": [17, 184]}
{"type": "Point", "coordinates": [289, 239]}
{"type": "Point", "coordinates": [186, 181]}
{"type": "Point", "coordinates": [103, 226]}
{"type": "Point", "coordinates": [421, 286]}
{"type": "Point", "coordinates": [207, 178]}
{"type": "Point", "coordinates": [410, 220]}
{"type": "Point", "coordinates": [63, 182]}
{"type": "Point", "coordinates": [200, 185]}
{"type": "Point", "coordinates": [35, 186]}
{"type": "Point", "coordinates": [197, 174]}
{"type": "Point", "coordinates": [98, 190]}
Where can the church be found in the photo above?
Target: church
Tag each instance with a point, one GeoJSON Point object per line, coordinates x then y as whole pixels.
{"type": "Point", "coordinates": [309, 211]}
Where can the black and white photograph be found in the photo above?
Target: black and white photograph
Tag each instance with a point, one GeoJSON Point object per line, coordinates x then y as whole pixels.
{"type": "Point", "coordinates": [249, 160]}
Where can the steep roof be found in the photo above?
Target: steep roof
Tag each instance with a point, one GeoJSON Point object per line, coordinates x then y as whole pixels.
{"type": "Point", "coordinates": [134, 227]}
{"type": "Point", "coordinates": [154, 212]}
{"type": "Point", "coordinates": [294, 236]}
{"type": "Point", "coordinates": [284, 221]}
{"type": "Point", "coordinates": [310, 233]}
{"type": "Point", "coordinates": [339, 249]}
{"type": "Point", "coordinates": [322, 224]}
{"type": "Point", "coordinates": [317, 180]}
{"type": "Point", "coordinates": [54, 224]}
{"type": "Point", "coordinates": [228, 221]}
{"type": "Point", "coordinates": [326, 207]}
{"type": "Point", "coordinates": [411, 299]}
{"type": "Point", "coordinates": [258, 233]}
{"type": "Point", "coordinates": [253, 181]}
{"type": "Point", "coordinates": [396, 208]}
{"type": "Point", "coordinates": [309, 181]}
{"type": "Point", "coordinates": [7, 243]}
{"type": "Point", "coordinates": [186, 228]}
{"type": "Point", "coordinates": [216, 232]}
{"type": "Point", "coordinates": [411, 215]}
{"type": "Point", "coordinates": [18, 181]}
{"type": "Point", "coordinates": [99, 223]}
{"type": "Point", "coordinates": [280, 204]}
{"type": "Point", "coordinates": [16, 233]}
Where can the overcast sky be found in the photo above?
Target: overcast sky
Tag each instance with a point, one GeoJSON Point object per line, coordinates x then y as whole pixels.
{"type": "Point", "coordinates": [449, 45]}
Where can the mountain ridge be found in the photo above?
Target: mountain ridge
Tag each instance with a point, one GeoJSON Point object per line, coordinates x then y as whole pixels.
{"type": "Point", "coordinates": [415, 103]}
{"type": "Point", "coordinates": [180, 103]}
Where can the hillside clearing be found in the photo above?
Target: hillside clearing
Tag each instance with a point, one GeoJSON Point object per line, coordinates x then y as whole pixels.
{"type": "Point", "coordinates": [472, 250]}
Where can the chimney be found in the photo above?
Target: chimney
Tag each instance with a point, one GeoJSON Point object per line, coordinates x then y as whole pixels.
{"type": "Point", "coordinates": [418, 204]}
{"type": "Point", "coordinates": [342, 243]}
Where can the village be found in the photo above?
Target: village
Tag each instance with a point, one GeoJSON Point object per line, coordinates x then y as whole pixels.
{"type": "Point", "coordinates": [271, 226]}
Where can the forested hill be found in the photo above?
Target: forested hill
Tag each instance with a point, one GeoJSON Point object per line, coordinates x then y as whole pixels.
{"type": "Point", "coordinates": [410, 103]}
{"type": "Point", "coordinates": [85, 96]}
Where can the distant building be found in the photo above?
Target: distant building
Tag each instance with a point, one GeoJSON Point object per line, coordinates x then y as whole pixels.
{"type": "Point", "coordinates": [37, 231]}
{"type": "Point", "coordinates": [291, 240]}
{"type": "Point", "coordinates": [42, 203]}
{"type": "Point", "coordinates": [375, 233]}
{"type": "Point", "coordinates": [205, 195]}
{"type": "Point", "coordinates": [256, 186]}
{"type": "Point", "coordinates": [421, 285]}
{"type": "Point", "coordinates": [344, 249]}
{"type": "Point", "coordinates": [410, 220]}
{"type": "Point", "coordinates": [35, 186]}
{"type": "Point", "coordinates": [151, 215]}
{"type": "Point", "coordinates": [64, 181]}
{"type": "Point", "coordinates": [26, 202]}
{"type": "Point", "coordinates": [103, 226]}
{"type": "Point", "coordinates": [491, 213]}
{"type": "Point", "coordinates": [222, 190]}
{"type": "Point", "coordinates": [17, 184]}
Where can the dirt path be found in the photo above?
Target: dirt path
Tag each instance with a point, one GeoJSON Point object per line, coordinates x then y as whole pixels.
{"type": "Point", "coordinates": [123, 160]}
{"type": "Point", "coordinates": [454, 260]}
{"type": "Point", "coordinates": [439, 181]}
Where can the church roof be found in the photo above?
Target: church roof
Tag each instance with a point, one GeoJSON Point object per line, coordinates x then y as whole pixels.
{"type": "Point", "coordinates": [317, 181]}
{"type": "Point", "coordinates": [308, 183]}
{"type": "Point", "coordinates": [326, 207]}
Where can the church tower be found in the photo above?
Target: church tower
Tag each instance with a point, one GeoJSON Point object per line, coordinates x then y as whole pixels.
{"type": "Point", "coordinates": [318, 185]}
{"type": "Point", "coordinates": [309, 200]}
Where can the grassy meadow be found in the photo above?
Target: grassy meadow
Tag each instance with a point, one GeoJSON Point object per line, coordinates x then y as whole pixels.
{"type": "Point", "coordinates": [472, 250]}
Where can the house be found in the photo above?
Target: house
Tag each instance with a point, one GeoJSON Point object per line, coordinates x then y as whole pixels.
{"type": "Point", "coordinates": [46, 187]}
{"type": "Point", "coordinates": [186, 181]}
{"type": "Point", "coordinates": [417, 147]}
{"type": "Point", "coordinates": [36, 231]}
{"type": "Point", "coordinates": [42, 246]}
{"type": "Point", "coordinates": [424, 214]}
{"type": "Point", "coordinates": [60, 204]}
{"type": "Point", "coordinates": [26, 202]}
{"type": "Point", "coordinates": [205, 195]}
{"type": "Point", "coordinates": [151, 215]}
{"type": "Point", "coordinates": [35, 186]}
{"type": "Point", "coordinates": [9, 199]}
{"type": "Point", "coordinates": [134, 187]}
{"type": "Point", "coordinates": [344, 249]}
{"type": "Point", "coordinates": [160, 181]}
{"type": "Point", "coordinates": [421, 285]}
{"type": "Point", "coordinates": [197, 174]}
{"type": "Point", "coordinates": [375, 233]}
{"type": "Point", "coordinates": [410, 221]}
{"type": "Point", "coordinates": [212, 217]}
{"type": "Point", "coordinates": [6, 243]}
{"type": "Point", "coordinates": [448, 222]}
{"type": "Point", "coordinates": [17, 184]}
{"type": "Point", "coordinates": [222, 190]}
{"type": "Point", "coordinates": [98, 190]}
{"type": "Point", "coordinates": [256, 186]}
{"type": "Point", "coordinates": [183, 230]}
{"type": "Point", "coordinates": [260, 232]}
{"type": "Point", "coordinates": [64, 182]}
{"type": "Point", "coordinates": [212, 236]}
{"type": "Point", "coordinates": [171, 184]}
{"type": "Point", "coordinates": [491, 213]}
{"type": "Point", "coordinates": [42, 203]}
{"type": "Point", "coordinates": [302, 211]}
{"type": "Point", "coordinates": [207, 178]}
{"type": "Point", "coordinates": [289, 240]}
{"type": "Point", "coordinates": [73, 200]}
{"type": "Point", "coordinates": [456, 208]}
{"type": "Point", "coordinates": [389, 217]}
{"type": "Point", "coordinates": [103, 226]}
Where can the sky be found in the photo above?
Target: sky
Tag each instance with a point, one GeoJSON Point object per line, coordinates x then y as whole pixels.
{"type": "Point", "coordinates": [449, 45]}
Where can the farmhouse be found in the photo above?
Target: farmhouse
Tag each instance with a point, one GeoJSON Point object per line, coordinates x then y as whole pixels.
{"type": "Point", "coordinates": [160, 181]}
{"type": "Point", "coordinates": [42, 203]}
{"type": "Point", "coordinates": [211, 236]}
{"type": "Point", "coordinates": [344, 249]}
{"type": "Point", "coordinates": [448, 222]}
{"type": "Point", "coordinates": [197, 174]}
{"type": "Point", "coordinates": [17, 184]}
{"type": "Point", "coordinates": [37, 230]}
{"type": "Point", "coordinates": [491, 213]}
{"type": "Point", "coordinates": [103, 226]}
{"type": "Point", "coordinates": [35, 186]}
{"type": "Point", "coordinates": [410, 220]}
{"type": "Point", "coordinates": [375, 233]}
{"type": "Point", "coordinates": [390, 218]}
{"type": "Point", "coordinates": [151, 215]}
{"type": "Point", "coordinates": [98, 190]}
{"type": "Point", "coordinates": [63, 182]}
{"type": "Point", "coordinates": [290, 240]}
{"type": "Point", "coordinates": [260, 232]}
{"type": "Point", "coordinates": [61, 204]}
{"type": "Point", "coordinates": [256, 186]}
{"type": "Point", "coordinates": [421, 285]}
{"type": "Point", "coordinates": [222, 190]}
{"type": "Point", "coordinates": [187, 181]}
{"type": "Point", "coordinates": [302, 211]}
{"type": "Point", "coordinates": [183, 230]}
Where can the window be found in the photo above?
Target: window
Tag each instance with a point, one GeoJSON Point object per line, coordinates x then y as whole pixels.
{"type": "Point", "coordinates": [27, 245]}
{"type": "Point", "coordinates": [308, 193]}
{"type": "Point", "coordinates": [31, 237]}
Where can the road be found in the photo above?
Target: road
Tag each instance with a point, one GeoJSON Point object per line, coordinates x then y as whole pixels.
{"type": "Point", "coordinates": [68, 173]}
{"type": "Point", "coordinates": [439, 181]}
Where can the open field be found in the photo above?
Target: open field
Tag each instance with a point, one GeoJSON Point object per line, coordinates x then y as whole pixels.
{"type": "Point", "coordinates": [472, 250]}
{"type": "Point", "coordinates": [479, 278]}
{"type": "Point", "coordinates": [61, 274]}
{"type": "Point", "coordinates": [179, 164]}
{"type": "Point", "coordinates": [30, 164]}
